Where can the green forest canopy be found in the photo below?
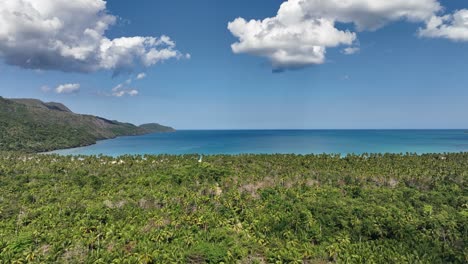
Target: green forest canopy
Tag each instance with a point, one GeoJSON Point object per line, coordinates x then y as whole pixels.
{"type": "Point", "coordinates": [248, 209]}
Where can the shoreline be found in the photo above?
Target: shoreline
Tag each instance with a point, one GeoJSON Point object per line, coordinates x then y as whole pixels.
{"type": "Point", "coordinates": [205, 145]}
{"type": "Point", "coordinates": [97, 142]}
{"type": "Point", "coordinates": [341, 155]}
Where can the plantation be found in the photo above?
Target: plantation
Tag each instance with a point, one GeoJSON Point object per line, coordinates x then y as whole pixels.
{"type": "Point", "coordinates": [234, 209]}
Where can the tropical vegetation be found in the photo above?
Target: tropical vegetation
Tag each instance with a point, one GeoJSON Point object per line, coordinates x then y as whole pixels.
{"type": "Point", "coordinates": [30, 125]}
{"type": "Point", "coordinates": [369, 208]}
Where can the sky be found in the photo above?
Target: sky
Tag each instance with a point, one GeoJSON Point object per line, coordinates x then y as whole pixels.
{"type": "Point", "coordinates": [244, 64]}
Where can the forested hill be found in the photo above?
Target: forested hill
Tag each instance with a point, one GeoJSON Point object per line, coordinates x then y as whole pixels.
{"type": "Point", "coordinates": [34, 126]}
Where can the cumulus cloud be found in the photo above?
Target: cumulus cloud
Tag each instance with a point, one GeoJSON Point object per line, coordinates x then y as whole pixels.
{"type": "Point", "coordinates": [302, 30]}
{"type": "Point", "coordinates": [370, 14]}
{"type": "Point", "coordinates": [70, 36]}
{"type": "Point", "coordinates": [69, 88]}
{"type": "Point", "coordinates": [453, 26]}
{"type": "Point", "coordinates": [290, 41]}
{"type": "Point", "coordinates": [141, 76]}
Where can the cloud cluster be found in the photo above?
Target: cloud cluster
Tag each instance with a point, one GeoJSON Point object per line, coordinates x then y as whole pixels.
{"type": "Point", "coordinates": [288, 40]}
{"type": "Point", "coordinates": [124, 88]}
{"type": "Point", "coordinates": [121, 90]}
{"type": "Point", "coordinates": [69, 88]}
{"type": "Point", "coordinates": [70, 36]}
{"type": "Point", "coordinates": [302, 30]}
{"type": "Point", "coordinates": [453, 26]}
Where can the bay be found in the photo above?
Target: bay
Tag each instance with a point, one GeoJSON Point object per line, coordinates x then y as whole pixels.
{"type": "Point", "coordinates": [281, 141]}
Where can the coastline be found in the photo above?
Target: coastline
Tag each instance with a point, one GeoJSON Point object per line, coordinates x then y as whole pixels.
{"type": "Point", "coordinates": [298, 142]}
{"type": "Point", "coordinates": [99, 140]}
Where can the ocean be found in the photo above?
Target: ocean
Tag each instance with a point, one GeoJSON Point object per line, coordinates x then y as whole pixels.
{"type": "Point", "coordinates": [281, 141]}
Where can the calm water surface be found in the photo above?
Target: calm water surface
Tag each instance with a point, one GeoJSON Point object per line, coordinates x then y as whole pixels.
{"type": "Point", "coordinates": [282, 141]}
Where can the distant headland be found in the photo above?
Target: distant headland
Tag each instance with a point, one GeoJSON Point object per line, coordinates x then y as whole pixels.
{"type": "Point", "coordinates": [31, 125]}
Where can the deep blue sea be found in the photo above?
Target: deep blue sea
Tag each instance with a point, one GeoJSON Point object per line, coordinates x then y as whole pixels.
{"type": "Point", "coordinates": [282, 141]}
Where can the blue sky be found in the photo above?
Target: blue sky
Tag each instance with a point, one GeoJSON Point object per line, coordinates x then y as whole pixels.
{"type": "Point", "coordinates": [397, 80]}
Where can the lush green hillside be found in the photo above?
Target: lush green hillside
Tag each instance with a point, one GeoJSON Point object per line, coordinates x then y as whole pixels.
{"type": "Point", "coordinates": [153, 127]}
{"type": "Point", "coordinates": [33, 126]}
{"type": "Point", "coordinates": [234, 209]}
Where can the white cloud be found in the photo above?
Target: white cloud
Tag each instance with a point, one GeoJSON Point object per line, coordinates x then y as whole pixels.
{"type": "Point", "coordinates": [120, 86]}
{"type": "Point", "coordinates": [453, 26]}
{"type": "Point", "coordinates": [132, 92]}
{"type": "Point", "coordinates": [351, 50]}
{"type": "Point", "coordinates": [302, 30]}
{"type": "Point", "coordinates": [370, 14]}
{"type": "Point", "coordinates": [120, 93]}
{"type": "Point", "coordinates": [70, 36]}
{"type": "Point", "coordinates": [141, 76]}
{"type": "Point", "coordinates": [289, 42]}
{"type": "Point", "coordinates": [122, 89]}
{"type": "Point", "coordinates": [68, 88]}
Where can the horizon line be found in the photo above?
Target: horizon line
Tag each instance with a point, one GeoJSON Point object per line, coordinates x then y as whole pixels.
{"type": "Point", "coordinates": [305, 129]}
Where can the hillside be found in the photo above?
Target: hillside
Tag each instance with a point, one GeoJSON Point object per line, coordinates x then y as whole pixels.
{"type": "Point", "coordinates": [34, 126]}
{"type": "Point", "coordinates": [153, 127]}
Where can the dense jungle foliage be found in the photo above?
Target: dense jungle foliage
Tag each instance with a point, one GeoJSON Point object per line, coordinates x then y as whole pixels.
{"type": "Point", "coordinates": [31, 125]}
{"type": "Point", "coordinates": [234, 209]}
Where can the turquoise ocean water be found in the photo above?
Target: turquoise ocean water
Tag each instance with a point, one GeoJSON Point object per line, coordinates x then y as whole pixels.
{"type": "Point", "coordinates": [282, 141]}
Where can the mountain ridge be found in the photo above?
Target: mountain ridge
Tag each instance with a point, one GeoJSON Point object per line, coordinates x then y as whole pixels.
{"type": "Point", "coordinates": [31, 125]}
